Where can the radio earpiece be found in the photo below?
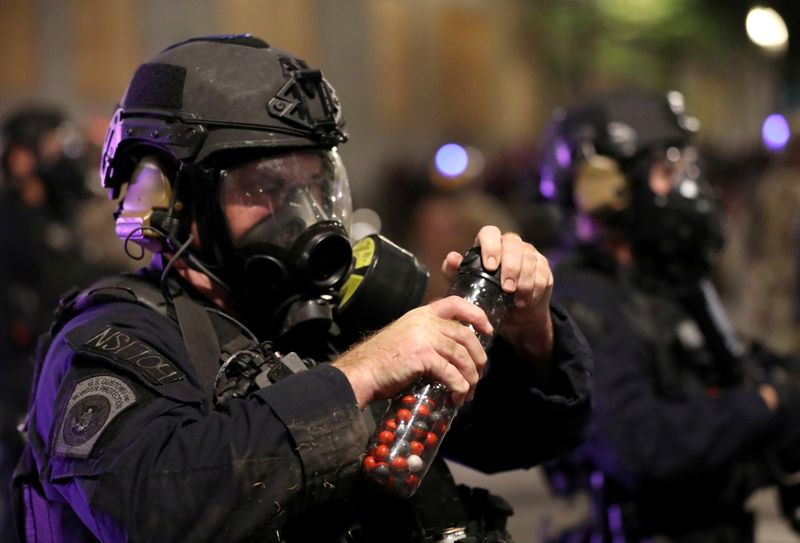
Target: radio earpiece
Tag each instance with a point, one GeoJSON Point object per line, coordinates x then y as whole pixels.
{"type": "Point", "coordinates": [148, 212]}
{"type": "Point", "coordinates": [600, 187]}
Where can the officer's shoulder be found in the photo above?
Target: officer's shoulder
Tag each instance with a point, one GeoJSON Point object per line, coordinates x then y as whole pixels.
{"type": "Point", "coordinates": [113, 331]}
{"type": "Point", "coordinates": [590, 285]}
{"type": "Point", "coordinates": [129, 316]}
{"type": "Point", "coordinates": [136, 288]}
{"type": "Point", "coordinates": [591, 296]}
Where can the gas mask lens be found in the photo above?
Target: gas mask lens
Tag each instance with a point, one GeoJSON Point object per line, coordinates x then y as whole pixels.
{"type": "Point", "coordinates": [676, 170]}
{"type": "Point", "coordinates": [277, 198]}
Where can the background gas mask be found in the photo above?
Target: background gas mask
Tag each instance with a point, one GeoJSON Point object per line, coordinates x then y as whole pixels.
{"type": "Point", "coordinates": [675, 228]}
{"type": "Point", "coordinates": [61, 165]}
{"type": "Point", "coordinates": [622, 166]}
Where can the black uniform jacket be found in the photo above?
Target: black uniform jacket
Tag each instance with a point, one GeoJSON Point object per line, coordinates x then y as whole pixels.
{"type": "Point", "coordinates": [128, 446]}
{"type": "Point", "coordinates": [677, 439]}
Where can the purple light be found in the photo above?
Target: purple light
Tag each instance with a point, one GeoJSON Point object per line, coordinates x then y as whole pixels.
{"type": "Point", "coordinates": [451, 160]}
{"type": "Point", "coordinates": [586, 230]}
{"type": "Point", "coordinates": [615, 522]}
{"type": "Point", "coordinates": [547, 185]}
{"type": "Point", "coordinates": [775, 132]}
{"type": "Point", "coordinates": [597, 480]}
{"type": "Point", "coordinates": [562, 154]}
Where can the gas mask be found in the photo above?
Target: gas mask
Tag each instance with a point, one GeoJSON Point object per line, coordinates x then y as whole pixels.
{"type": "Point", "coordinates": [676, 229]}
{"type": "Point", "coordinates": [65, 180]}
{"type": "Point", "coordinates": [287, 218]}
{"type": "Point", "coordinates": [61, 165]}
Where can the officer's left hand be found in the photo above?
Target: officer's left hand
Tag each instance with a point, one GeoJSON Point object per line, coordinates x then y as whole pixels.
{"type": "Point", "coordinates": [525, 272]}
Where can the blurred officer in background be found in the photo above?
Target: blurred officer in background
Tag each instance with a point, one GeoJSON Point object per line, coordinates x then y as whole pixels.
{"type": "Point", "coordinates": [684, 414]}
{"type": "Point", "coordinates": [42, 189]}
{"type": "Point", "coordinates": [192, 401]}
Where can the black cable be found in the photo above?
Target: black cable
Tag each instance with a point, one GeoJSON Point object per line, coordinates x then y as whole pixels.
{"type": "Point", "coordinates": [198, 265]}
{"type": "Point", "coordinates": [134, 231]}
{"type": "Point", "coordinates": [164, 283]}
{"type": "Point", "coordinates": [236, 322]}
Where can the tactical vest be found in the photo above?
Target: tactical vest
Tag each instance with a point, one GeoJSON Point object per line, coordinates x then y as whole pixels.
{"type": "Point", "coordinates": [231, 363]}
{"type": "Point", "coordinates": [690, 354]}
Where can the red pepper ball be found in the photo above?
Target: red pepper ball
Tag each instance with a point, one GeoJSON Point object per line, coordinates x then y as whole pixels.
{"type": "Point", "coordinates": [403, 415]}
{"type": "Point", "coordinates": [370, 463]}
{"type": "Point", "coordinates": [408, 399]}
{"type": "Point", "coordinates": [412, 481]}
{"type": "Point", "coordinates": [431, 439]}
{"type": "Point", "coordinates": [423, 410]}
{"type": "Point", "coordinates": [386, 437]}
{"type": "Point", "coordinates": [417, 448]}
{"type": "Point", "coordinates": [381, 451]}
{"type": "Point", "coordinates": [399, 464]}
{"type": "Point", "coordinates": [427, 400]}
{"type": "Point", "coordinates": [390, 424]}
{"type": "Point", "coordinates": [440, 427]}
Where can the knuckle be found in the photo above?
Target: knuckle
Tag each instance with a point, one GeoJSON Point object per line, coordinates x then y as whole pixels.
{"type": "Point", "coordinates": [462, 333]}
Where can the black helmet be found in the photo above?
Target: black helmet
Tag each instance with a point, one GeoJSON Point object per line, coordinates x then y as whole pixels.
{"type": "Point", "coordinates": [597, 160]}
{"type": "Point", "coordinates": [218, 93]}
{"type": "Point", "coordinates": [212, 115]}
{"type": "Point", "coordinates": [61, 166]}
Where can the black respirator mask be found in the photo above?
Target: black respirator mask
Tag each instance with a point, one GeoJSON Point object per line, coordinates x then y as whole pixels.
{"type": "Point", "coordinates": [676, 231]}
{"type": "Point", "coordinates": [65, 179]}
{"type": "Point", "coordinates": [288, 218]}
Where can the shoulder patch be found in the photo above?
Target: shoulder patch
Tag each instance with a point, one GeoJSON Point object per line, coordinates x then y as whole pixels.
{"type": "Point", "coordinates": [125, 349]}
{"type": "Point", "coordinates": [94, 403]}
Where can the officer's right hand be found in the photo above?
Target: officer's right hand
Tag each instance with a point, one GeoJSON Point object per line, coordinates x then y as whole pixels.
{"type": "Point", "coordinates": [430, 341]}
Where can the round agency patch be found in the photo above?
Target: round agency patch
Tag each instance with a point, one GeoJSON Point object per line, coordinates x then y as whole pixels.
{"type": "Point", "coordinates": [94, 403]}
{"type": "Point", "coordinates": [85, 419]}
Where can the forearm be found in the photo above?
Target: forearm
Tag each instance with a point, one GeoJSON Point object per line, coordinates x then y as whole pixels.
{"type": "Point", "coordinates": [259, 461]}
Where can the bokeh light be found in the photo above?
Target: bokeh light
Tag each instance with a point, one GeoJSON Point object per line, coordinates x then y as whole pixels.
{"type": "Point", "coordinates": [451, 160]}
{"type": "Point", "coordinates": [766, 28]}
{"type": "Point", "coordinates": [775, 132]}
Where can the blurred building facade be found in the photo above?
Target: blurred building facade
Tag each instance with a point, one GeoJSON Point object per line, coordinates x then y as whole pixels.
{"type": "Point", "coordinates": [413, 73]}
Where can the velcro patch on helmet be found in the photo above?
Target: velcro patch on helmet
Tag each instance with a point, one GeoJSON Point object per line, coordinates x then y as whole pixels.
{"type": "Point", "coordinates": [94, 403]}
{"type": "Point", "coordinates": [156, 85]}
{"type": "Point", "coordinates": [126, 350]}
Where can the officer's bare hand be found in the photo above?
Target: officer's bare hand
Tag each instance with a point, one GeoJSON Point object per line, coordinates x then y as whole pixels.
{"type": "Point", "coordinates": [427, 341]}
{"type": "Point", "coordinates": [525, 272]}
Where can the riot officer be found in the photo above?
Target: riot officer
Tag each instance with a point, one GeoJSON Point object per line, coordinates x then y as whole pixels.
{"type": "Point", "coordinates": [683, 413]}
{"type": "Point", "coordinates": [42, 188]}
{"type": "Point", "coordinates": [214, 395]}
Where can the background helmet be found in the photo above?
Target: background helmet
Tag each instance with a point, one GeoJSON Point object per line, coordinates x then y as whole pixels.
{"type": "Point", "coordinates": [59, 151]}
{"type": "Point", "coordinates": [597, 157]}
